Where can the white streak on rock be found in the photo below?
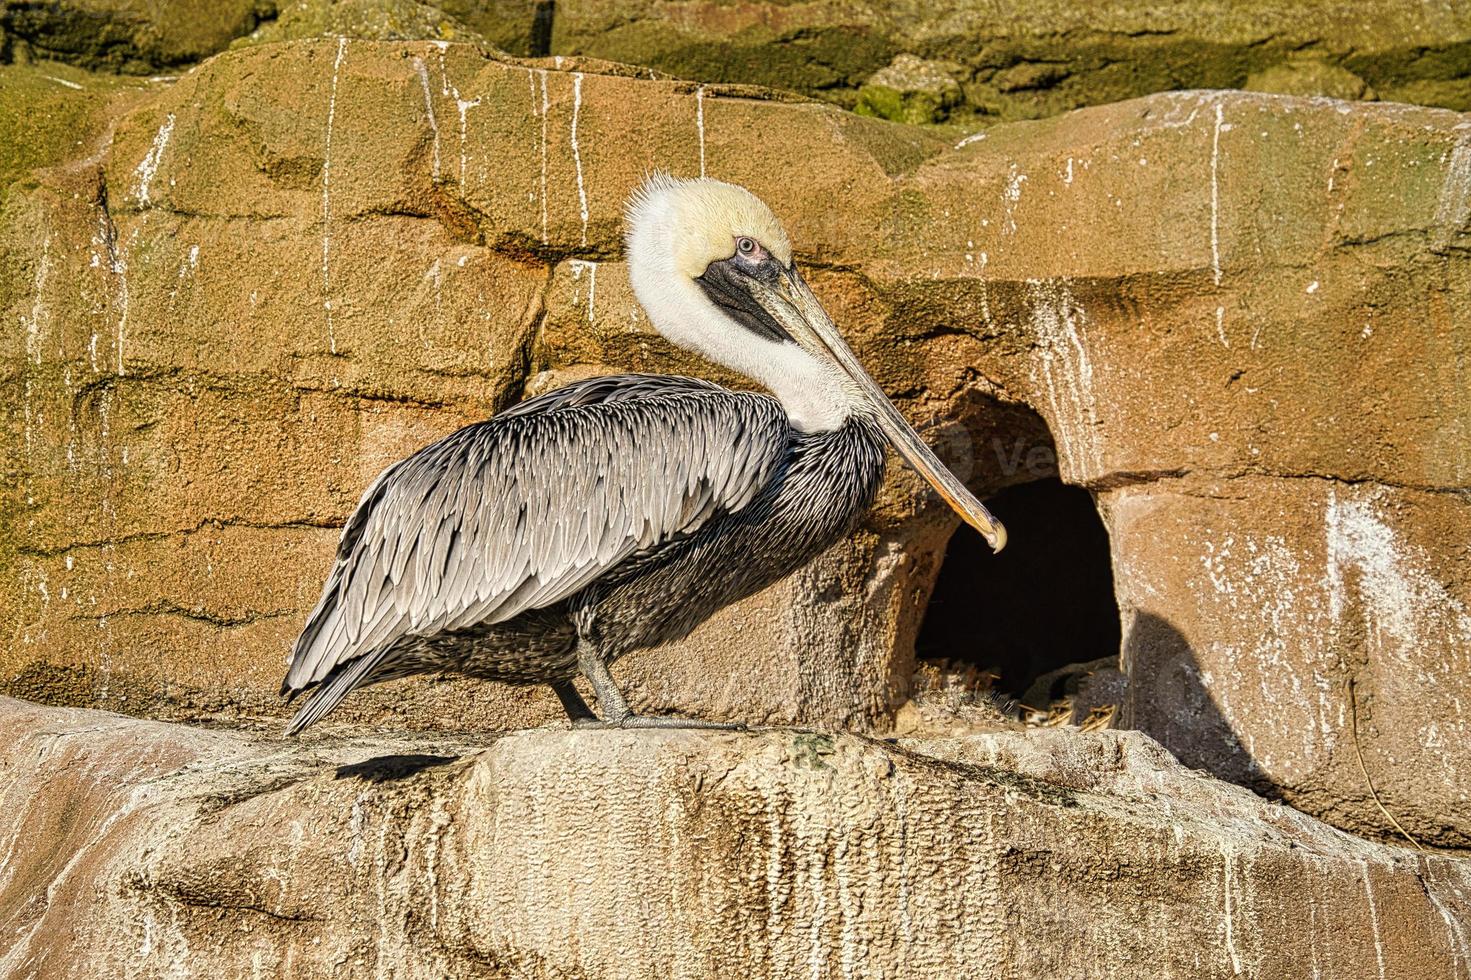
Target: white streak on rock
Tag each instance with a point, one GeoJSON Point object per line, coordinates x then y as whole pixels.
{"type": "Point", "coordinates": [19, 951]}
{"type": "Point", "coordinates": [545, 109]}
{"type": "Point", "coordinates": [1064, 368]}
{"type": "Point", "coordinates": [1374, 577]}
{"type": "Point", "coordinates": [578, 267]}
{"type": "Point", "coordinates": [1406, 607]}
{"type": "Point", "coordinates": [150, 923]}
{"type": "Point", "coordinates": [577, 151]}
{"type": "Point", "coordinates": [700, 124]}
{"type": "Point", "coordinates": [120, 269]}
{"type": "Point", "coordinates": [777, 877]}
{"type": "Point", "coordinates": [1012, 196]}
{"type": "Point", "coordinates": [1230, 922]}
{"type": "Point", "coordinates": [1216, 198]}
{"type": "Point", "coordinates": [1454, 206]}
{"type": "Point", "coordinates": [148, 167]}
{"type": "Point", "coordinates": [1373, 917]}
{"type": "Point", "coordinates": [1221, 327]}
{"type": "Point", "coordinates": [463, 106]}
{"type": "Point", "coordinates": [38, 304]}
{"type": "Point", "coordinates": [429, 108]}
{"type": "Point", "coordinates": [355, 830]}
{"type": "Point", "coordinates": [817, 961]}
{"type": "Point", "coordinates": [1460, 947]}
{"type": "Point", "coordinates": [62, 81]}
{"type": "Point", "coordinates": [327, 198]}
{"type": "Point", "coordinates": [985, 291]}
{"type": "Point", "coordinates": [117, 264]}
{"type": "Point", "coordinates": [439, 819]}
{"type": "Point", "coordinates": [188, 267]}
{"type": "Point", "coordinates": [1176, 118]}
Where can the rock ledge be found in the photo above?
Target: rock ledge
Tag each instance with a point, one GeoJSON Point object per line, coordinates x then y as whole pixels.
{"type": "Point", "coordinates": [141, 849]}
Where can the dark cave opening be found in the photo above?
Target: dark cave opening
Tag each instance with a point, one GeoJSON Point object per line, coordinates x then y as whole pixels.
{"type": "Point", "coordinates": [1045, 602]}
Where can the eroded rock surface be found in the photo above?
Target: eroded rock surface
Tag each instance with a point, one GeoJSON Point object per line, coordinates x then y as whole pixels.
{"type": "Point", "coordinates": [1033, 60]}
{"type": "Point", "coordinates": [138, 849]}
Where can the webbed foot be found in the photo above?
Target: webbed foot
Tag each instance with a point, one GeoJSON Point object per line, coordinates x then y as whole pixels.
{"type": "Point", "coordinates": [632, 721]}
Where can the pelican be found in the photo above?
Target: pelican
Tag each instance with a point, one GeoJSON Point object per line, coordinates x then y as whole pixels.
{"type": "Point", "coordinates": [619, 513]}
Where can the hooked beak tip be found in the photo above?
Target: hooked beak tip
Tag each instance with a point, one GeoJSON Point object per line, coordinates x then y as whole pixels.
{"type": "Point", "coordinates": [996, 537]}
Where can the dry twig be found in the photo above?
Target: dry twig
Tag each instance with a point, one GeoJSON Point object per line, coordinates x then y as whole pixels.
{"type": "Point", "coordinates": [1353, 717]}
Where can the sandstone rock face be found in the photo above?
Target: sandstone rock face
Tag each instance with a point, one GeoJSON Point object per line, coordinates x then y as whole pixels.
{"type": "Point", "coordinates": [1234, 316]}
{"type": "Point", "coordinates": [138, 37]}
{"type": "Point", "coordinates": [1033, 60]}
{"type": "Point", "coordinates": [172, 392]}
{"type": "Point", "coordinates": [139, 849]}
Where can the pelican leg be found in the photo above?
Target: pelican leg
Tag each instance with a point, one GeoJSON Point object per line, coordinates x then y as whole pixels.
{"type": "Point", "coordinates": [572, 703]}
{"type": "Point", "coordinates": [615, 710]}
{"type": "Point", "coordinates": [611, 704]}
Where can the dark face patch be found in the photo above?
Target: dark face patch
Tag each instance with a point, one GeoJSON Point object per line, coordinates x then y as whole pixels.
{"type": "Point", "coordinates": [726, 283]}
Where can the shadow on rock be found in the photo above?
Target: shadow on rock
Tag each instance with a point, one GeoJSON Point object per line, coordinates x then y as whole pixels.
{"type": "Point", "coordinates": [391, 768]}
{"type": "Point", "coordinates": [1167, 699]}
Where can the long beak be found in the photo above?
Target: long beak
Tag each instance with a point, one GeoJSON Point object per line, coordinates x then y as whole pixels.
{"type": "Point", "coordinates": [791, 303]}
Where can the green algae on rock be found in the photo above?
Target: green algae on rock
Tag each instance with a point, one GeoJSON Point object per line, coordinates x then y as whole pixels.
{"type": "Point", "coordinates": [1034, 60]}
{"type": "Point", "coordinates": [135, 37]}
{"type": "Point", "coordinates": [911, 90]}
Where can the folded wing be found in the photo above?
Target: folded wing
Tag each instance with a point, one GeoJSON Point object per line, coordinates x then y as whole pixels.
{"type": "Point", "coordinates": [526, 509]}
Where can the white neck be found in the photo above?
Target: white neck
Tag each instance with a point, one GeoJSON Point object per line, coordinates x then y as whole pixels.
{"type": "Point", "coordinates": [815, 394]}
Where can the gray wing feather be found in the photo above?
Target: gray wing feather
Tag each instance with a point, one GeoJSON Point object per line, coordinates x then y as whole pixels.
{"type": "Point", "coordinates": [526, 509]}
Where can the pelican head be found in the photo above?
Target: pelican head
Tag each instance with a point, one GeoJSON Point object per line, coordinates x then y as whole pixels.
{"type": "Point", "coordinates": [713, 268]}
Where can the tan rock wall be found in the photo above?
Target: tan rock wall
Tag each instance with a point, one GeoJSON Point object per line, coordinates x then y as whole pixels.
{"type": "Point", "coordinates": [1254, 611]}
{"type": "Point", "coordinates": [246, 314]}
{"type": "Point", "coordinates": [1237, 315]}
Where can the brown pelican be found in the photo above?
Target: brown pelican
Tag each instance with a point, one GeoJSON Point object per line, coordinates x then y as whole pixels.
{"type": "Point", "coordinates": [619, 513]}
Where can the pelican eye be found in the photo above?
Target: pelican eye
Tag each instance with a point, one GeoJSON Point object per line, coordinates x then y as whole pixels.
{"type": "Point", "coordinates": [729, 285]}
{"type": "Point", "coordinates": [750, 253]}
